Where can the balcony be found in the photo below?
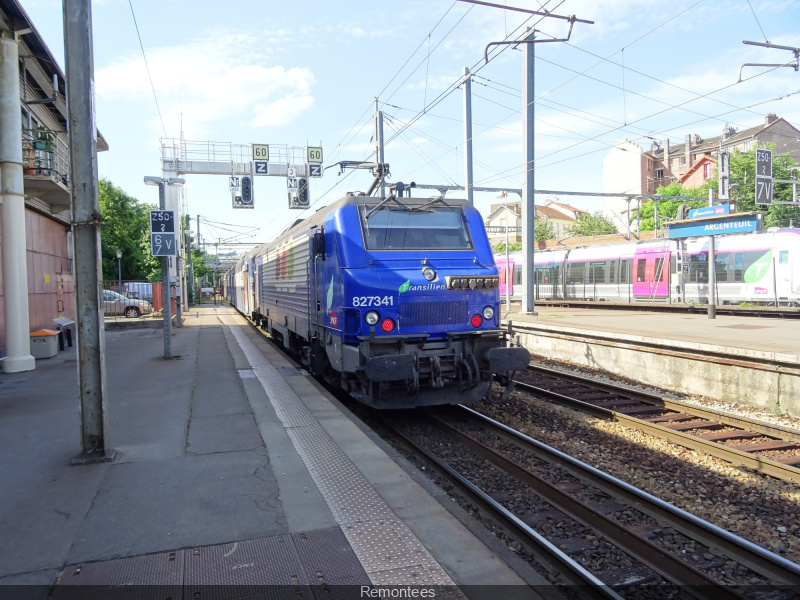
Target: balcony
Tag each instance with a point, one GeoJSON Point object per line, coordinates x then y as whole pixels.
{"type": "Point", "coordinates": [45, 158]}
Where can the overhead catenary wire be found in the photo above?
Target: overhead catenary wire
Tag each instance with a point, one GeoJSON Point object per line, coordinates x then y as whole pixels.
{"type": "Point", "coordinates": [755, 16]}
{"type": "Point", "coordinates": [147, 67]}
{"type": "Point", "coordinates": [524, 165]}
{"type": "Point", "coordinates": [427, 37]}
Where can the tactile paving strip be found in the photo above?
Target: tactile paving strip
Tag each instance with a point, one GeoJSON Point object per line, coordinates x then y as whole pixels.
{"type": "Point", "coordinates": [384, 545]}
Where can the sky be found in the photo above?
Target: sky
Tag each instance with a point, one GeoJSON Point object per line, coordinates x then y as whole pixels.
{"type": "Point", "coordinates": [307, 73]}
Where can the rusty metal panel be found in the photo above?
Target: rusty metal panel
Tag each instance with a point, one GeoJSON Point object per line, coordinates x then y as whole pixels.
{"type": "Point", "coordinates": [328, 558]}
{"type": "Point", "coordinates": [151, 577]}
{"type": "Point", "coordinates": [263, 568]}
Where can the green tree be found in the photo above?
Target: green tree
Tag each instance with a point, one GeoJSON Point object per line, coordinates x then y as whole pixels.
{"type": "Point", "coordinates": [743, 169]}
{"type": "Point", "coordinates": [125, 227]}
{"type": "Point", "coordinates": [587, 224]}
{"type": "Point", "coordinates": [544, 230]}
{"type": "Point", "coordinates": [669, 208]}
{"type": "Point", "coordinates": [512, 247]}
{"type": "Point", "coordinates": [201, 269]}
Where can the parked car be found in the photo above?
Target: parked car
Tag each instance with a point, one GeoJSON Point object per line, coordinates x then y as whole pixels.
{"type": "Point", "coordinates": [142, 290]}
{"type": "Point", "coordinates": [115, 304]}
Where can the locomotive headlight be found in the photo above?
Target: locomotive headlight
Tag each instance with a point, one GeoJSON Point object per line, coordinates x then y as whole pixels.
{"type": "Point", "coordinates": [372, 318]}
{"type": "Point", "coordinates": [429, 273]}
{"type": "Point", "coordinates": [488, 313]}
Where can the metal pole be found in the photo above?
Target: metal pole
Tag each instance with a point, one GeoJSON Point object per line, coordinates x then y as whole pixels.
{"type": "Point", "coordinates": [119, 274]}
{"type": "Point", "coordinates": [468, 136]}
{"type": "Point", "coordinates": [379, 141]}
{"type": "Point", "coordinates": [775, 281]}
{"type": "Point", "coordinates": [629, 218]}
{"type": "Point", "coordinates": [655, 217]}
{"type": "Point", "coordinates": [166, 299]}
{"type": "Point", "coordinates": [12, 213]}
{"type": "Point", "coordinates": [86, 231]}
{"type": "Point", "coordinates": [528, 206]}
{"type": "Point", "coordinates": [508, 267]}
{"type": "Point", "coordinates": [638, 218]}
{"type": "Point", "coordinates": [178, 285]}
{"type": "Point", "coordinates": [712, 280]}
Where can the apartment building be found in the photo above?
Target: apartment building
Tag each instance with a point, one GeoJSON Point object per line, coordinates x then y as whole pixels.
{"type": "Point", "coordinates": [45, 238]}
{"type": "Point", "coordinates": [630, 169]}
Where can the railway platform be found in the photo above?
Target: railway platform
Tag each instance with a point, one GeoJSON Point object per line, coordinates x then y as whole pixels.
{"type": "Point", "coordinates": [734, 359]}
{"type": "Point", "coordinates": [235, 475]}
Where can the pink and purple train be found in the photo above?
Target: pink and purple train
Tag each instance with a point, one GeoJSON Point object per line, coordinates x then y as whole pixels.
{"type": "Point", "coordinates": [762, 268]}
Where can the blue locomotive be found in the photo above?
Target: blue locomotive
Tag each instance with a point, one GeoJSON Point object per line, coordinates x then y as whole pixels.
{"type": "Point", "coordinates": [394, 300]}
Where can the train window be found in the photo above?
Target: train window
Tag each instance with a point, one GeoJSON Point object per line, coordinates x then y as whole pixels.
{"type": "Point", "coordinates": [698, 268]}
{"type": "Point", "coordinates": [624, 271]}
{"type": "Point", "coordinates": [517, 275]}
{"type": "Point", "coordinates": [721, 267]}
{"type": "Point", "coordinates": [576, 272]}
{"type": "Point", "coordinates": [612, 265]}
{"type": "Point", "coordinates": [597, 272]}
{"type": "Point", "coordinates": [738, 267]}
{"type": "Point", "coordinates": [641, 264]}
{"type": "Point", "coordinates": [659, 274]}
{"type": "Point", "coordinates": [439, 228]}
{"type": "Point", "coordinates": [783, 257]}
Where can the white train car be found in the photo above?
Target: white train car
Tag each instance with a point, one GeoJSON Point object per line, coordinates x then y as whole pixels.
{"type": "Point", "coordinates": [761, 268]}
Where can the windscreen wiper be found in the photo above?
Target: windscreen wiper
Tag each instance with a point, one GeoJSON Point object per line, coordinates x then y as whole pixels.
{"type": "Point", "coordinates": [381, 203]}
{"type": "Point", "coordinates": [424, 206]}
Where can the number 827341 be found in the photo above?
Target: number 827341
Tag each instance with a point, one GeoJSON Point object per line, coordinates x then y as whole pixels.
{"type": "Point", "coordinates": [373, 301]}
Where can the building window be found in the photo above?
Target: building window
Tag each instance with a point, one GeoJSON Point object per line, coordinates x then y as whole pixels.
{"type": "Point", "coordinates": [746, 146]}
{"type": "Point", "coordinates": [682, 161]}
{"type": "Point", "coordinates": [659, 173]}
{"type": "Point", "coordinates": [706, 171]}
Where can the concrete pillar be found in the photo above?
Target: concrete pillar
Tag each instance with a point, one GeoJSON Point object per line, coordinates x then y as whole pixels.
{"type": "Point", "coordinates": [15, 266]}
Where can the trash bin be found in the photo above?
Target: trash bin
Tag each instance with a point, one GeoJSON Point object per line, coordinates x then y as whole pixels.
{"type": "Point", "coordinates": [44, 343]}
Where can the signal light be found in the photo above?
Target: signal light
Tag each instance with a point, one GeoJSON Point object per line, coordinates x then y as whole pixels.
{"type": "Point", "coordinates": [302, 192]}
{"type": "Point", "coordinates": [387, 325]}
{"type": "Point", "coordinates": [476, 320]}
{"type": "Point", "coordinates": [247, 191]}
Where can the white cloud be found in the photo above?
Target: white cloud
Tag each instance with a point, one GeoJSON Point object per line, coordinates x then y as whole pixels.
{"type": "Point", "coordinates": [210, 80]}
{"type": "Point", "coordinates": [281, 111]}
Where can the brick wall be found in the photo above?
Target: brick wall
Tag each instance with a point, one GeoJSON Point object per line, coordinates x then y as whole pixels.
{"type": "Point", "coordinates": [594, 239]}
{"type": "Point", "coordinates": [50, 282]}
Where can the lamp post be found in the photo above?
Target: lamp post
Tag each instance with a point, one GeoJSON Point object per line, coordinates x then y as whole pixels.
{"type": "Point", "coordinates": [119, 272]}
{"type": "Point", "coordinates": [166, 297]}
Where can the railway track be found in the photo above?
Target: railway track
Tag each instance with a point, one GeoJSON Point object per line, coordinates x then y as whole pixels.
{"type": "Point", "coordinates": [563, 511]}
{"type": "Point", "coordinates": [769, 449]}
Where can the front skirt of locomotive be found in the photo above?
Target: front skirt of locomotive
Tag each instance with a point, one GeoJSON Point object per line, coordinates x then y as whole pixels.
{"type": "Point", "coordinates": [403, 371]}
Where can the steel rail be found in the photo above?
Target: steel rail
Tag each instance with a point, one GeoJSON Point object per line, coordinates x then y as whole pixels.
{"type": "Point", "coordinates": [546, 553]}
{"type": "Point", "coordinates": [756, 558]}
{"type": "Point", "coordinates": [668, 566]}
{"type": "Point", "coordinates": [721, 451]}
{"type": "Point", "coordinates": [731, 419]}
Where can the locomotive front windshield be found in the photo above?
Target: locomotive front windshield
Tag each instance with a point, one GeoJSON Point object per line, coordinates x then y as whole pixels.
{"type": "Point", "coordinates": [434, 228]}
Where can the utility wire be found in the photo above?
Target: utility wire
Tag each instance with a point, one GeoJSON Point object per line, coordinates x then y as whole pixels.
{"type": "Point", "coordinates": [426, 38]}
{"type": "Point", "coordinates": [525, 167]}
{"type": "Point", "coordinates": [147, 67]}
{"type": "Point", "coordinates": [757, 21]}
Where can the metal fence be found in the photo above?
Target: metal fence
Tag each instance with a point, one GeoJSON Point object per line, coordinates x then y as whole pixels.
{"type": "Point", "coordinates": [132, 300]}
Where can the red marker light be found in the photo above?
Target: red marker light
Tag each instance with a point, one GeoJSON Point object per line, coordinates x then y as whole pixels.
{"type": "Point", "coordinates": [476, 320]}
{"type": "Point", "coordinates": [387, 326]}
